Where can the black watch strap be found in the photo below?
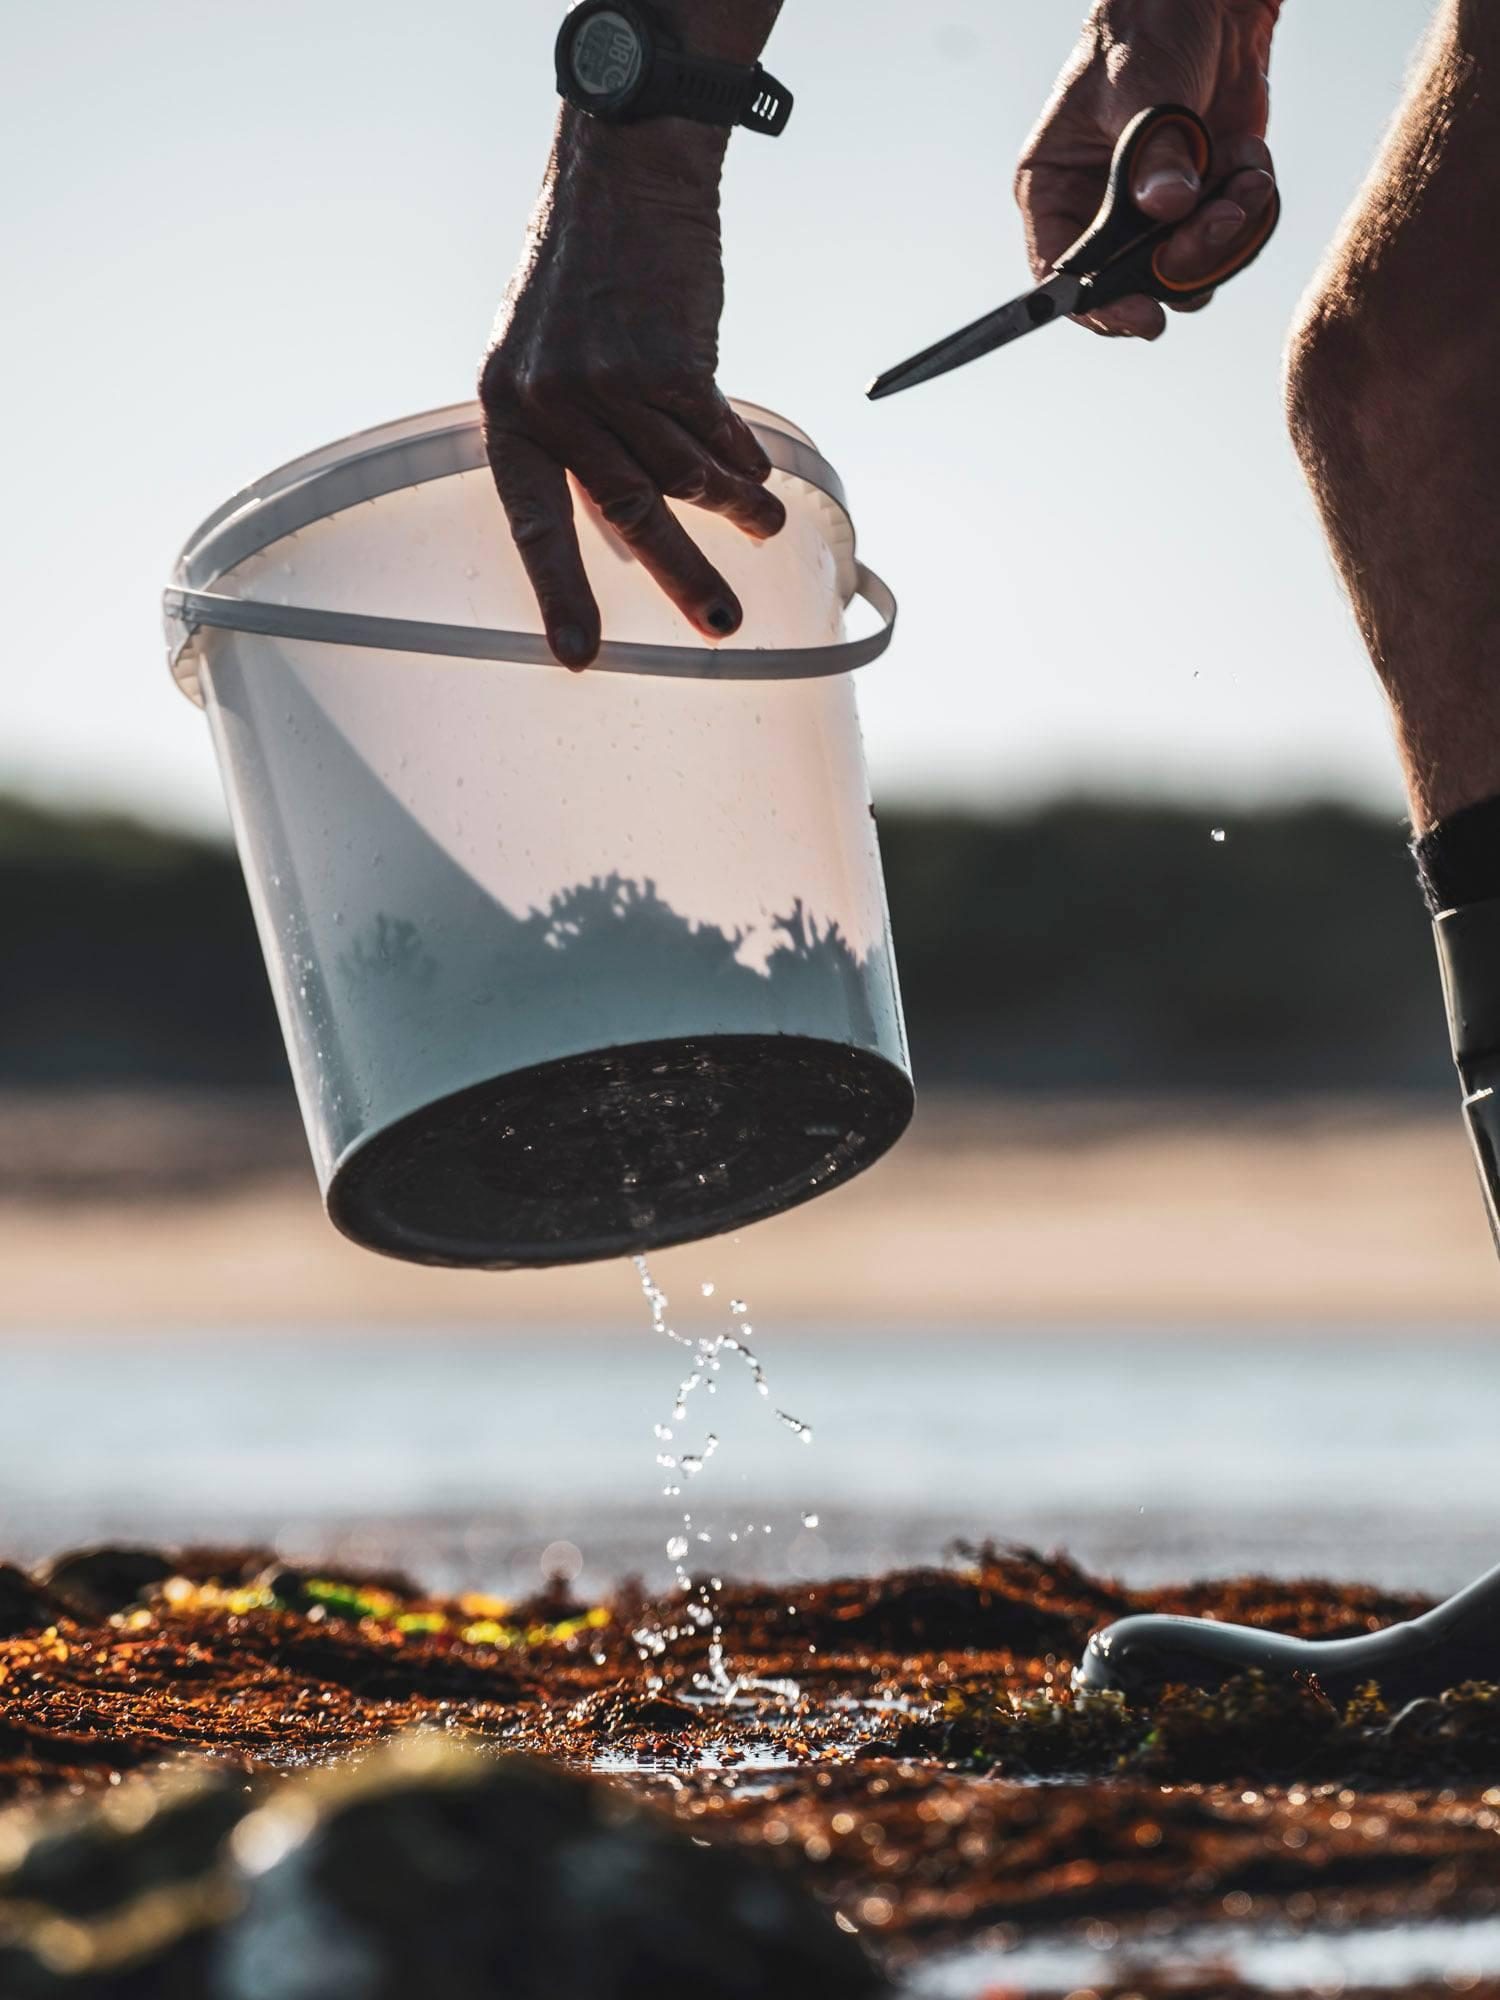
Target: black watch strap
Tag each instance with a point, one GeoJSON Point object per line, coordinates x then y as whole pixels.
{"type": "Point", "coordinates": [716, 93]}
{"type": "Point", "coordinates": [619, 61]}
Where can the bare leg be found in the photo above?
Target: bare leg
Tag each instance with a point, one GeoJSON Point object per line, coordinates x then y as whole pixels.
{"type": "Point", "coordinates": [1394, 398]}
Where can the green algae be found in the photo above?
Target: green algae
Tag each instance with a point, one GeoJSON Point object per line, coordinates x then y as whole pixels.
{"type": "Point", "coordinates": [1255, 1729]}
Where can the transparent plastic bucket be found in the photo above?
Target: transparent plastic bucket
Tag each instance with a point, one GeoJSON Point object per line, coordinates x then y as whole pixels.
{"type": "Point", "coordinates": [568, 965]}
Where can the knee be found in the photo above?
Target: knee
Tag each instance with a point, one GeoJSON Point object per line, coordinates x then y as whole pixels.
{"type": "Point", "coordinates": [1327, 376]}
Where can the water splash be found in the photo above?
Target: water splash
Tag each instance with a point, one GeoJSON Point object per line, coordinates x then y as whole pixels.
{"type": "Point", "coordinates": [717, 1682]}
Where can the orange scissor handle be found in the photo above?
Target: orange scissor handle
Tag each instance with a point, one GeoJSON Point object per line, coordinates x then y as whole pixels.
{"type": "Point", "coordinates": [1118, 254]}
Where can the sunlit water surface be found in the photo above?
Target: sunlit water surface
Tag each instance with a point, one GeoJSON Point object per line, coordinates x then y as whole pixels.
{"type": "Point", "coordinates": [467, 1456]}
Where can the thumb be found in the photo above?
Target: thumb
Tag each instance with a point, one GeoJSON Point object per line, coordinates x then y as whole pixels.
{"type": "Point", "coordinates": [1160, 63]}
{"type": "Point", "coordinates": [1166, 184]}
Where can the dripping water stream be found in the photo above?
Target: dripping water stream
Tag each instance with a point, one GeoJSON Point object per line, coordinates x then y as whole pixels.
{"type": "Point", "coordinates": [700, 1600]}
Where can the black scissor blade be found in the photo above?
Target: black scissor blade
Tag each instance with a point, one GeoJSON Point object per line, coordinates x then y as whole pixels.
{"type": "Point", "coordinates": [1053, 300]}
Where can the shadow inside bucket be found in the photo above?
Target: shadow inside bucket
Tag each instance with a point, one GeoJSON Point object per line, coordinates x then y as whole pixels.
{"type": "Point", "coordinates": [572, 1081]}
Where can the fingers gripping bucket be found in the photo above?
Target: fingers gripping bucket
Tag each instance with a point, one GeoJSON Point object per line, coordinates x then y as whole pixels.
{"type": "Point", "coordinates": [567, 965]}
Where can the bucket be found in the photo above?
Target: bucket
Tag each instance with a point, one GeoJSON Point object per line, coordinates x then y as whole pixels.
{"type": "Point", "coordinates": [568, 965]}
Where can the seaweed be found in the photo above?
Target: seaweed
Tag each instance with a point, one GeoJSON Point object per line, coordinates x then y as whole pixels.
{"type": "Point", "coordinates": [936, 1780]}
{"type": "Point", "coordinates": [1252, 1729]}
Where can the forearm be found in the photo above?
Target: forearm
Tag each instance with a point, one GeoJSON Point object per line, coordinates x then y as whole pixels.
{"type": "Point", "coordinates": [604, 353]}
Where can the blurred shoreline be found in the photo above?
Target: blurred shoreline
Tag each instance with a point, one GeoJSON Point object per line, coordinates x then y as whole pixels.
{"type": "Point", "coordinates": [195, 1209]}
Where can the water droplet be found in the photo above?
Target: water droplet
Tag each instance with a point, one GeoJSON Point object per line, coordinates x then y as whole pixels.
{"type": "Point", "coordinates": [707, 1353]}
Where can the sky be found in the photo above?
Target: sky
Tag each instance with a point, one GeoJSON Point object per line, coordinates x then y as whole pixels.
{"type": "Point", "coordinates": [233, 234]}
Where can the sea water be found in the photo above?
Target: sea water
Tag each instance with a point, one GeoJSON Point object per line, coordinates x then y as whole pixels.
{"type": "Point", "coordinates": [463, 1452]}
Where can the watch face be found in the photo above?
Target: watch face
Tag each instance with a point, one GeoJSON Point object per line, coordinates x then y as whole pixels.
{"type": "Point", "coordinates": [606, 55]}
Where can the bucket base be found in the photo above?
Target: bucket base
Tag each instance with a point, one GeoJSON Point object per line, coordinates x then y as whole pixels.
{"type": "Point", "coordinates": [620, 1151]}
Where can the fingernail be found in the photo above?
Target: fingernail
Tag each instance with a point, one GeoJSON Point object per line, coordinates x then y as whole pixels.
{"type": "Point", "coordinates": [1223, 229]}
{"type": "Point", "coordinates": [1256, 194]}
{"type": "Point", "coordinates": [570, 644]}
{"type": "Point", "coordinates": [1164, 180]}
{"type": "Point", "coordinates": [721, 619]}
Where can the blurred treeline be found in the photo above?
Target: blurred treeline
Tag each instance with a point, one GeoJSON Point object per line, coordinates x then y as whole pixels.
{"type": "Point", "coordinates": [1086, 946]}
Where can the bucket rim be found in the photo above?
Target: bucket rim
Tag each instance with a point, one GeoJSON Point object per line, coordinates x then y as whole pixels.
{"type": "Point", "coordinates": [409, 451]}
{"type": "Point", "coordinates": [442, 443]}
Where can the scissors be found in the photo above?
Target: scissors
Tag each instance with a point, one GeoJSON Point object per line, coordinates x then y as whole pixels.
{"type": "Point", "coordinates": [1117, 256]}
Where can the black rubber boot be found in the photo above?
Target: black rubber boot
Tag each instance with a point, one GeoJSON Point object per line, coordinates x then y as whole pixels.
{"type": "Point", "coordinates": [1456, 1642]}
{"type": "Point", "coordinates": [1468, 948]}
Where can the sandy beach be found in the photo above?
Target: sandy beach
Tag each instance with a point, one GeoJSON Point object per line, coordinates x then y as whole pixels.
{"type": "Point", "coordinates": [121, 1211]}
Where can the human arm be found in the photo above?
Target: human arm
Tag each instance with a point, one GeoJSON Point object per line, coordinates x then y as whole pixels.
{"type": "Point", "coordinates": [604, 354]}
{"type": "Point", "coordinates": [1211, 55]}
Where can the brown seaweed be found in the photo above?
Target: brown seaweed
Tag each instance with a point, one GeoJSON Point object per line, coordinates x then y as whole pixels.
{"type": "Point", "coordinates": [936, 1782]}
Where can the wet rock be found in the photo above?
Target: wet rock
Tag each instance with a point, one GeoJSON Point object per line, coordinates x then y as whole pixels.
{"type": "Point", "coordinates": [96, 1582]}
{"type": "Point", "coordinates": [117, 1898]}
{"type": "Point", "coordinates": [429, 1872]}
{"type": "Point", "coordinates": [25, 1604]}
{"type": "Point", "coordinates": [421, 1872]}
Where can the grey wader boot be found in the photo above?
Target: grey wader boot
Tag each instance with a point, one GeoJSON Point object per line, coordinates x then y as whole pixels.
{"type": "Point", "coordinates": [1422, 1657]}
{"type": "Point", "coordinates": [1468, 948]}
{"type": "Point", "coordinates": [1460, 1640]}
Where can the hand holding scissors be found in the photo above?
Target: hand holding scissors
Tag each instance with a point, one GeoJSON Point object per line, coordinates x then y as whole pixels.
{"type": "Point", "coordinates": [1118, 256]}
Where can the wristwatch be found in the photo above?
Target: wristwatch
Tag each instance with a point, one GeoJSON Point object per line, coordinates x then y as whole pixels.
{"type": "Point", "coordinates": [617, 61]}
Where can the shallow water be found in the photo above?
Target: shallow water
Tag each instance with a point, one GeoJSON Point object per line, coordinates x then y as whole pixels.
{"type": "Point", "coordinates": [1150, 1454]}
{"type": "Point", "coordinates": [1324, 1961]}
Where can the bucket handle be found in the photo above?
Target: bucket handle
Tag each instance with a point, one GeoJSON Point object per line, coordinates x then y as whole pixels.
{"type": "Point", "coordinates": [187, 611]}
